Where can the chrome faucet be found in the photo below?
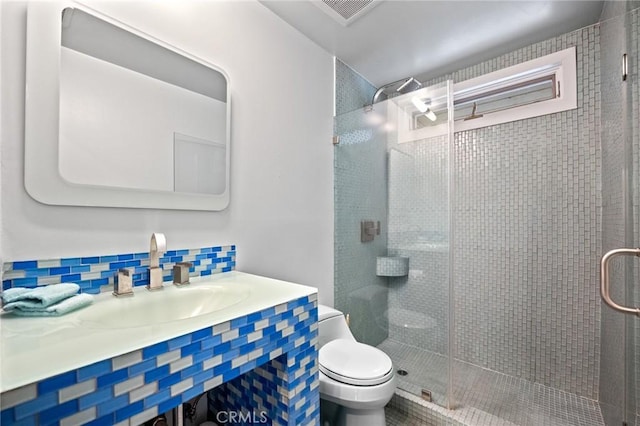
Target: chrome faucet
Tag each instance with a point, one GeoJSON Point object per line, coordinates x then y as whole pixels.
{"type": "Point", "coordinates": [158, 246]}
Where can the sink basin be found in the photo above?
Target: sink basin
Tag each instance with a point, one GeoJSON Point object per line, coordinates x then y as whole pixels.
{"type": "Point", "coordinates": [156, 307]}
{"type": "Point", "coordinates": [114, 326]}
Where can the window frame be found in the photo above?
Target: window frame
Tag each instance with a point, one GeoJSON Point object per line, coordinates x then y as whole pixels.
{"type": "Point", "coordinates": [560, 66]}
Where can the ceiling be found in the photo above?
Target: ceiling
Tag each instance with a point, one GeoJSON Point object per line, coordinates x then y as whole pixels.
{"type": "Point", "coordinates": [425, 39]}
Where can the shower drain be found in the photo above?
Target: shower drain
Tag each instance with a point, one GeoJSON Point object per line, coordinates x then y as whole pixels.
{"type": "Point", "coordinates": [402, 372]}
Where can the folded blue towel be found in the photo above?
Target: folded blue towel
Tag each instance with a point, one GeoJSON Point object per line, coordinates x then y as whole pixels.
{"type": "Point", "coordinates": [13, 294]}
{"type": "Point", "coordinates": [37, 298]}
{"type": "Point", "coordinates": [67, 305]}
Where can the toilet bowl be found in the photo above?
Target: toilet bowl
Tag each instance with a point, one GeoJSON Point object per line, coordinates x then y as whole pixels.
{"type": "Point", "coordinates": [356, 380]}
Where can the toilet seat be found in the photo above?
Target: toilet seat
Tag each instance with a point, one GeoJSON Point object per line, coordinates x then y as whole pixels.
{"type": "Point", "coordinates": [354, 363]}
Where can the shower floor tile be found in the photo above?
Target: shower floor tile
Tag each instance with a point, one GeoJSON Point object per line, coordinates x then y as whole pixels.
{"type": "Point", "coordinates": [485, 397]}
{"type": "Point", "coordinates": [425, 369]}
{"type": "Point", "coordinates": [396, 417]}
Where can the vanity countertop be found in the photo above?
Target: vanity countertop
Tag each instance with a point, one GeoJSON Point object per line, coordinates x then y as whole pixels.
{"type": "Point", "coordinates": [33, 349]}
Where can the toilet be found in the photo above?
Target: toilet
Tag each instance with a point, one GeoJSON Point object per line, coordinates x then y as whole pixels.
{"type": "Point", "coordinates": [356, 380]}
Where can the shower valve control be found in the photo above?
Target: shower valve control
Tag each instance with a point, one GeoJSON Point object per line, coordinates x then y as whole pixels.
{"type": "Point", "coordinates": [368, 230]}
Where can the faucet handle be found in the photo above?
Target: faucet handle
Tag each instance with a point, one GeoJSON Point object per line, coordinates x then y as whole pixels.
{"type": "Point", "coordinates": [181, 273]}
{"type": "Point", "coordinates": [123, 286]}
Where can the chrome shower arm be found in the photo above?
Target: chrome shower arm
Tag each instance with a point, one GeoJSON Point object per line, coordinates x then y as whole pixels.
{"type": "Point", "coordinates": [406, 82]}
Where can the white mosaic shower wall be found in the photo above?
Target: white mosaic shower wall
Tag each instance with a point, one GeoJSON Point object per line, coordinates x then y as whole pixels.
{"type": "Point", "coordinates": [527, 236]}
{"type": "Point", "coordinates": [419, 229]}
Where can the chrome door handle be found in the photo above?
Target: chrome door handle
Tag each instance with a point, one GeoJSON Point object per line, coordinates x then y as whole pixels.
{"type": "Point", "coordinates": [604, 279]}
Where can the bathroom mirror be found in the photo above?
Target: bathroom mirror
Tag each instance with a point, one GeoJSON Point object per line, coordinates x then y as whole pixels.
{"type": "Point", "coordinates": [117, 118]}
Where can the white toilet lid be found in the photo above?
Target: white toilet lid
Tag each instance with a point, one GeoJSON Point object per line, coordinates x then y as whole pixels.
{"type": "Point", "coordinates": [354, 363]}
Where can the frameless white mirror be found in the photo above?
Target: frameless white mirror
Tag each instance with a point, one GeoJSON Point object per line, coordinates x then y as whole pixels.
{"type": "Point", "coordinates": [117, 118]}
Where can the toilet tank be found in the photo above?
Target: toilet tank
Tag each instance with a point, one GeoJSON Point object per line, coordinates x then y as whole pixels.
{"type": "Point", "coordinates": [331, 325]}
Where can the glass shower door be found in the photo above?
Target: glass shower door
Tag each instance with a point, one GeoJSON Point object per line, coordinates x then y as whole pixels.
{"type": "Point", "coordinates": [620, 337]}
{"type": "Point", "coordinates": [360, 196]}
{"type": "Point", "coordinates": [632, 323]}
{"type": "Point", "coordinates": [392, 175]}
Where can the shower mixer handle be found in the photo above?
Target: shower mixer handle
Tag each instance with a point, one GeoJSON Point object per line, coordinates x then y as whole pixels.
{"type": "Point", "coordinates": [604, 279]}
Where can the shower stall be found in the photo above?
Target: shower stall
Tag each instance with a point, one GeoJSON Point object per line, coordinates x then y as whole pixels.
{"type": "Point", "coordinates": [472, 257]}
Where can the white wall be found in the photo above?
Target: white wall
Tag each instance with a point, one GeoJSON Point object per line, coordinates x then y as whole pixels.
{"type": "Point", "coordinates": [281, 211]}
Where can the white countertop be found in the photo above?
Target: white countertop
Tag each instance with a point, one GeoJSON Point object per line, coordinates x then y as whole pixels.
{"type": "Point", "coordinates": [33, 349]}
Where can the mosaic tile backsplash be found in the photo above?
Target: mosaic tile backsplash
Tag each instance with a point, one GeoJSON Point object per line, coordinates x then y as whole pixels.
{"type": "Point", "coordinates": [93, 272]}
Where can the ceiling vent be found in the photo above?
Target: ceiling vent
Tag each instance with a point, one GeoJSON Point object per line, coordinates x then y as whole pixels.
{"type": "Point", "coordinates": [345, 12]}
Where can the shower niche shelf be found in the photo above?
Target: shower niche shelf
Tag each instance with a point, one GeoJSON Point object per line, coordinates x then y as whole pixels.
{"type": "Point", "coordinates": [392, 266]}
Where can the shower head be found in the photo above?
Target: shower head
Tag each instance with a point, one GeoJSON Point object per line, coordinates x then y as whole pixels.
{"type": "Point", "coordinates": [409, 85]}
{"type": "Point", "coordinates": [399, 87]}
